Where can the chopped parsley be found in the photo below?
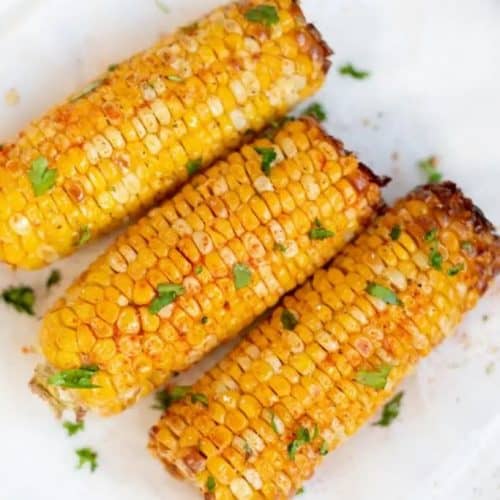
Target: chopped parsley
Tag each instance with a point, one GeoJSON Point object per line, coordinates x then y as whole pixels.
{"type": "Point", "coordinates": [302, 437]}
{"type": "Point", "coordinates": [315, 433]}
{"type": "Point", "coordinates": [113, 67]}
{"type": "Point", "coordinates": [211, 484]}
{"type": "Point", "coordinates": [280, 247]}
{"type": "Point", "coordinates": [198, 270]}
{"type": "Point", "coordinates": [436, 259]}
{"type": "Point", "coordinates": [300, 491]}
{"type": "Point", "coordinates": [395, 232]}
{"type": "Point", "coordinates": [22, 298]}
{"type": "Point", "coordinates": [268, 157]}
{"type": "Point", "coordinates": [242, 276]}
{"type": "Point", "coordinates": [247, 449]}
{"type": "Point", "coordinates": [263, 14]}
{"type": "Point", "coordinates": [88, 89]}
{"type": "Point", "coordinates": [87, 456]}
{"type": "Point", "coordinates": [270, 132]}
{"type": "Point", "coordinates": [317, 111]}
{"type": "Point", "coordinates": [431, 235]}
{"type": "Point", "coordinates": [274, 426]}
{"type": "Point", "coordinates": [73, 428]}
{"type": "Point", "coordinates": [383, 293]}
{"type": "Point", "coordinates": [77, 378]}
{"type": "Point", "coordinates": [323, 450]}
{"type": "Point", "coordinates": [454, 270]}
{"type": "Point", "coordinates": [318, 232]}
{"type": "Point", "coordinates": [390, 411]}
{"type": "Point", "coordinates": [199, 398]}
{"type": "Point", "coordinates": [175, 78]}
{"type": "Point", "coordinates": [84, 236]}
{"type": "Point", "coordinates": [42, 177]}
{"type": "Point", "coordinates": [204, 320]}
{"type": "Point", "coordinates": [167, 293]}
{"type": "Point", "coordinates": [375, 379]}
{"type": "Point", "coordinates": [54, 278]}
{"type": "Point", "coordinates": [193, 166]}
{"type": "Point", "coordinates": [429, 167]}
{"type": "Point", "coordinates": [350, 70]}
{"type": "Point", "coordinates": [164, 399]}
{"type": "Point", "coordinates": [288, 319]}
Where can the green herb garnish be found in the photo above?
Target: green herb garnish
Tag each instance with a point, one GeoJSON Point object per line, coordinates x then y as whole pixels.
{"type": "Point", "coordinates": [323, 450]}
{"type": "Point", "coordinates": [247, 449]}
{"type": "Point", "coordinates": [350, 70]}
{"type": "Point", "coordinates": [467, 247]}
{"type": "Point", "coordinates": [193, 166]}
{"type": "Point", "coordinates": [199, 398]}
{"type": "Point", "coordinates": [390, 411]}
{"type": "Point", "coordinates": [431, 236]}
{"type": "Point", "coordinates": [77, 378]}
{"type": "Point", "coordinates": [87, 456]}
{"type": "Point", "coordinates": [454, 270]}
{"type": "Point", "coordinates": [175, 78]}
{"type": "Point", "coordinates": [242, 276]}
{"type": "Point", "coordinates": [280, 247]}
{"type": "Point", "coordinates": [167, 293]}
{"type": "Point", "coordinates": [54, 278]}
{"type": "Point", "coordinates": [288, 319]}
{"type": "Point", "coordinates": [274, 426]}
{"type": "Point", "coordinates": [395, 232]}
{"type": "Point", "coordinates": [204, 320]}
{"type": "Point", "coordinates": [429, 167]}
{"type": "Point", "coordinates": [42, 177]}
{"type": "Point", "coordinates": [383, 293]}
{"type": "Point", "coordinates": [317, 111]}
{"type": "Point", "coordinates": [198, 270]}
{"type": "Point", "coordinates": [113, 67]}
{"type": "Point", "coordinates": [164, 399]}
{"type": "Point", "coordinates": [300, 491]}
{"type": "Point", "coordinates": [88, 89]}
{"type": "Point", "coordinates": [263, 14]}
{"type": "Point", "coordinates": [268, 157]}
{"type": "Point", "coordinates": [376, 379]}
{"type": "Point", "coordinates": [73, 427]}
{"type": "Point", "coordinates": [302, 437]}
{"type": "Point", "coordinates": [318, 232]}
{"type": "Point", "coordinates": [84, 236]}
{"type": "Point", "coordinates": [436, 259]}
{"type": "Point", "coordinates": [22, 298]}
{"type": "Point", "coordinates": [211, 484]}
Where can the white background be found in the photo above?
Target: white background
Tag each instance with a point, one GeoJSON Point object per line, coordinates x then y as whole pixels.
{"type": "Point", "coordinates": [434, 89]}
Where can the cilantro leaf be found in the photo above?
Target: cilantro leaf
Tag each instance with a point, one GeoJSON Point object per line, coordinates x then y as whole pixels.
{"type": "Point", "coordinates": [263, 14]}
{"type": "Point", "coordinates": [22, 298]}
{"type": "Point", "coordinates": [211, 484]}
{"type": "Point", "coordinates": [167, 293]}
{"type": "Point", "coordinates": [318, 232]}
{"type": "Point", "coordinates": [429, 167]}
{"type": "Point", "coordinates": [42, 177]}
{"type": "Point", "coordinates": [454, 270]}
{"type": "Point", "coordinates": [302, 437]}
{"type": "Point", "coordinates": [390, 411]}
{"type": "Point", "coordinates": [74, 427]}
{"type": "Point", "coordinates": [242, 276]}
{"type": "Point", "coordinates": [288, 319]}
{"type": "Point", "coordinates": [268, 157]}
{"type": "Point", "coordinates": [54, 278]}
{"type": "Point", "coordinates": [395, 232]}
{"type": "Point", "coordinates": [193, 166]}
{"type": "Point", "coordinates": [350, 70]}
{"type": "Point", "coordinates": [87, 456]}
{"type": "Point", "coordinates": [164, 399]}
{"type": "Point", "coordinates": [383, 293]}
{"type": "Point", "coordinates": [317, 111]}
{"type": "Point", "coordinates": [376, 379]}
{"type": "Point", "coordinates": [78, 378]}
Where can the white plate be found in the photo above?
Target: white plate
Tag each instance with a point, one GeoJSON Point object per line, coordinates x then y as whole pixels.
{"type": "Point", "coordinates": [433, 90]}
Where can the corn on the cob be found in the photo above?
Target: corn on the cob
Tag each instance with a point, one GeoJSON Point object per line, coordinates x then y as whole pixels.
{"type": "Point", "coordinates": [292, 391]}
{"type": "Point", "coordinates": [230, 243]}
{"type": "Point", "coordinates": [136, 133]}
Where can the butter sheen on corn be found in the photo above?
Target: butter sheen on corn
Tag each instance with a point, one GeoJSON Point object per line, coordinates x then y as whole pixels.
{"type": "Point", "coordinates": [127, 139]}
{"type": "Point", "coordinates": [231, 218]}
{"type": "Point", "coordinates": [285, 397]}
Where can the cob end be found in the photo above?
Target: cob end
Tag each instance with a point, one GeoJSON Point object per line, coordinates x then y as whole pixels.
{"type": "Point", "coordinates": [58, 399]}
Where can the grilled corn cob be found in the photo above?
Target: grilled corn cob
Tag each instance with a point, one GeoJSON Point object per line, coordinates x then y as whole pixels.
{"type": "Point", "coordinates": [137, 132]}
{"type": "Point", "coordinates": [197, 270]}
{"type": "Point", "coordinates": [258, 424]}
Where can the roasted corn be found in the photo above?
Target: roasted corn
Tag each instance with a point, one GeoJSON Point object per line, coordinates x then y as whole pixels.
{"type": "Point", "coordinates": [333, 352]}
{"type": "Point", "coordinates": [207, 263]}
{"type": "Point", "coordinates": [133, 135]}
